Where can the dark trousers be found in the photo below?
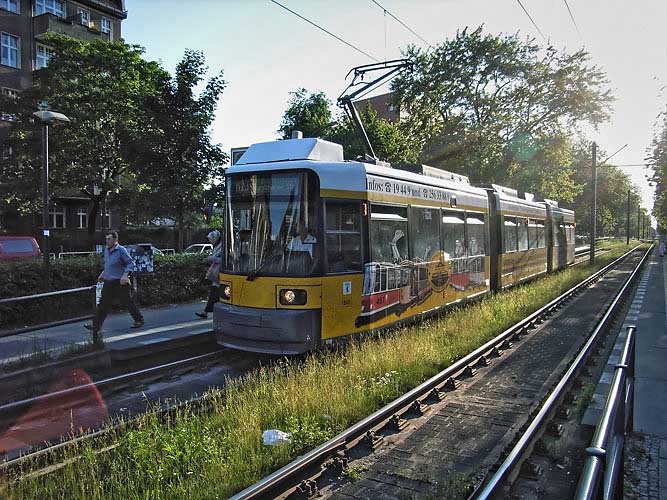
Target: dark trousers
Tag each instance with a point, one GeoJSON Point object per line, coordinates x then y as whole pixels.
{"type": "Point", "coordinates": [213, 297]}
{"type": "Point", "coordinates": [114, 291]}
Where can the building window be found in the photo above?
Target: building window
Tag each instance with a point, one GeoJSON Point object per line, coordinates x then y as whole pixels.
{"type": "Point", "coordinates": [82, 217]}
{"type": "Point", "coordinates": [57, 217]}
{"type": "Point", "coordinates": [7, 151]}
{"type": "Point", "coordinates": [10, 50]}
{"type": "Point", "coordinates": [44, 54]}
{"type": "Point", "coordinates": [84, 16]}
{"type": "Point", "coordinates": [107, 27]}
{"type": "Point", "coordinates": [11, 93]}
{"type": "Point", "coordinates": [10, 5]}
{"type": "Point", "coordinates": [56, 7]}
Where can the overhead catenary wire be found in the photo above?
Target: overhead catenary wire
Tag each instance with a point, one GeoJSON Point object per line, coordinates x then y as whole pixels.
{"type": "Point", "coordinates": [402, 23]}
{"type": "Point", "coordinates": [533, 21]}
{"type": "Point", "coordinates": [572, 17]}
{"type": "Point", "coordinates": [325, 30]}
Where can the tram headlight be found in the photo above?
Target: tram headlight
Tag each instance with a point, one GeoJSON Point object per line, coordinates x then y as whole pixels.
{"type": "Point", "coordinates": [226, 292]}
{"type": "Point", "coordinates": [290, 297]}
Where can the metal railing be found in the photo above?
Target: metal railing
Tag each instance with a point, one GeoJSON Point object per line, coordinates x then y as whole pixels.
{"type": "Point", "coordinates": [42, 326]}
{"type": "Point", "coordinates": [602, 468]}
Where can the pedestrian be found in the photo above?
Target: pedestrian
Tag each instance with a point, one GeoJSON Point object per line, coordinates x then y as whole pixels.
{"type": "Point", "coordinates": [213, 273]}
{"type": "Point", "coordinates": [117, 265]}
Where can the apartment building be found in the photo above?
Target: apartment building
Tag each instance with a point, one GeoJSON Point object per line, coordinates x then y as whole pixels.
{"type": "Point", "coordinates": [23, 24]}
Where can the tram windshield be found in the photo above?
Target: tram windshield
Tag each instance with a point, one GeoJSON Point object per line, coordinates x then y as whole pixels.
{"type": "Point", "coordinates": [272, 224]}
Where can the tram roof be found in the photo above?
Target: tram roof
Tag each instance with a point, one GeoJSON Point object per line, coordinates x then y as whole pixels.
{"type": "Point", "coordinates": [326, 159]}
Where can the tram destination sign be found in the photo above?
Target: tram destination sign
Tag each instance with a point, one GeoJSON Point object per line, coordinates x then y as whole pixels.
{"type": "Point", "coordinates": [406, 189]}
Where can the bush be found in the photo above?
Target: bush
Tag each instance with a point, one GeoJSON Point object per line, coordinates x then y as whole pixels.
{"type": "Point", "coordinates": [177, 278]}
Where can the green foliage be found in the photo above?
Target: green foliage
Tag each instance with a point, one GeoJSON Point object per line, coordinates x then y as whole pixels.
{"type": "Point", "coordinates": [486, 105]}
{"type": "Point", "coordinates": [658, 160]}
{"type": "Point", "coordinates": [179, 159]}
{"type": "Point", "coordinates": [308, 113]}
{"type": "Point", "coordinates": [215, 222]}
{"type": "Point", "coordinates": [137, 135]}
{"type": "Point", "coordinates": [105, 89]}
{"type": "Point", "coordinates": [612, 195]}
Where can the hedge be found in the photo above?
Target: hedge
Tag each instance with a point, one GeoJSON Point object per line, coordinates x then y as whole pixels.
{"type": "Point", "coordinates": [177, 278]}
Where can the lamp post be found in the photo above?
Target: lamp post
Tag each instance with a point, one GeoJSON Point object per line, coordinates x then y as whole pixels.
{"type": "Point", "coordinates": [47, 118]}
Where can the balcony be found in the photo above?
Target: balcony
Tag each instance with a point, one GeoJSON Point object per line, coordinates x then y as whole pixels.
{"type": "Point", "coordinates": [50, 23]}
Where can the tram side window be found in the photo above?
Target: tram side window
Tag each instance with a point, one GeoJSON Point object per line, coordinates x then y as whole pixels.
{"type": "Point", "coordinates": [476, 234]}
{"type": "Point", "coordinates": [343, 235]}
{"type": "Point", "coordinates": [389, 233]}
{"type": "Point", "coordinates": [541, 239]}
{"type": "Point", "coordinates": [522, 228]}
{"type": "Point", "coordinates": [509, 232]}
{"type": "Point", "coordinates": [532, 234]}
{"type": "Point", "coordinates": [425, 236]}
{"type": "Point", "coordinates": [453, 234]}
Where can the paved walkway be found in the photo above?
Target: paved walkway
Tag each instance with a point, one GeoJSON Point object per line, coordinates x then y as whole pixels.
{"type": "Point", "coordinates": [162, 324]}
{"type": "Point", "coordinates": [650, 408]}
{"type": "Point", "coordinates": [646, 449]}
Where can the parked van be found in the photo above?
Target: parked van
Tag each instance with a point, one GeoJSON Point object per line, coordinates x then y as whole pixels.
{"type": "Point", "coordinates": [18, 247]}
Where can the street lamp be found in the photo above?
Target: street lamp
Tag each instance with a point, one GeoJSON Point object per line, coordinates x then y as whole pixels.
{"type": "Point", "coordinates": [47, 118]}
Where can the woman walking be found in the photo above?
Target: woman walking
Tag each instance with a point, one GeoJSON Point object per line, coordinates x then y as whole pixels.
{"type": "Point", "coordinates": [215, 238]}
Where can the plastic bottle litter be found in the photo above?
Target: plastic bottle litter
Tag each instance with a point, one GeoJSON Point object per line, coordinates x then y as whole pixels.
{"type": "Point", "coordinates": [274, 437]}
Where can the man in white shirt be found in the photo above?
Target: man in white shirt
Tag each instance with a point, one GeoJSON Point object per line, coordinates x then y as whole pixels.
{"type": "Point", "coordinates": [303, 242]}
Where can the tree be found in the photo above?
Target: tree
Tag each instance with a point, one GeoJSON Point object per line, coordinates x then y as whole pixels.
{"type": "Point", "coordinates": [658, 160]}
{"type": "Point", "coordinates": [311, 114]}
{"type": "Point", "coordinates": [180, 159]}
{"type": "Point", "coordinates": [308, 113]}
{"type": "Point", "coordinates": [612, 191]}
{"type": "Point", "coordinates": [104, 88]}
{"type": "Point", "coordinates": [476, 101]}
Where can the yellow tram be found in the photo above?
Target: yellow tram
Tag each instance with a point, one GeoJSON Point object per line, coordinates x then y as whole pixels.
{"type": "Point", "coordinates": [318, 248]}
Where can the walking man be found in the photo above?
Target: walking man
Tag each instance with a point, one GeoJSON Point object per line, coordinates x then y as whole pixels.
{"type": "Point", "coordinates": [117, 265]}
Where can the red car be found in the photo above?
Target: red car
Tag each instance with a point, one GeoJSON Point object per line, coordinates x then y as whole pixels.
{"type": "Point", "coordinates": [18, 247]}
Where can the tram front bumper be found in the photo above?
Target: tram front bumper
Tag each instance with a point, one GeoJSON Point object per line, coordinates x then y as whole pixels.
{"type": "Point", "coordinates": [274, 331]}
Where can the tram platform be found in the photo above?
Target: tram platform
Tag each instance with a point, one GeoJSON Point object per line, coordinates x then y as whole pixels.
{"type": "Point", "coordinates": [161, 325]}
{"type": "Point", "coordinates": [646, 449]}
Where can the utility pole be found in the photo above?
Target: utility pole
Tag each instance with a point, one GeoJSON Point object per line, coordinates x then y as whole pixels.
{"type": "Point", "coordinates": [594, 181]}
{"type": "Point", "coordinates": [627, 222]}
{"type": "Point", "coordinates": [639, 214]}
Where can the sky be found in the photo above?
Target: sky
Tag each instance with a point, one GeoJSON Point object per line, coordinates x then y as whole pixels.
{"type": "Point", "coordinates": [267, 52]}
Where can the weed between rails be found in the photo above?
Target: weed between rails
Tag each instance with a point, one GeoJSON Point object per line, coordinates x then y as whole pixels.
{"type": "Point", "coordinates": [215, 455]}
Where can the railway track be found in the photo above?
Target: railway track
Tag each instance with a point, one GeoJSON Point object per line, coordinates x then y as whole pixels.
{"type": "Point", "coordinates": [446, 435]}
{"type": "Point", "coordinates": [123, 387]}
{"type": "Point", "coordinates": [45, 460]}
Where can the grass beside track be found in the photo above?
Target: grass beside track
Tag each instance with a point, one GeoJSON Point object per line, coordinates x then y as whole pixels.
{"type": "Point", "coordinates": [215, 455]}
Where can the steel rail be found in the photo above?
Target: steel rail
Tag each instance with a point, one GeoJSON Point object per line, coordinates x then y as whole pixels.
{"type": "Point", "coordinates": [288, 473]}
{"type": "Point", "coordinates": [492, 486]}
{"type": "Point", "coordinates": [16, 462]}
{"type": "Point", "coordinates": [105, 382]}
{"type": "Point", "coordinates": [605, 451]}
